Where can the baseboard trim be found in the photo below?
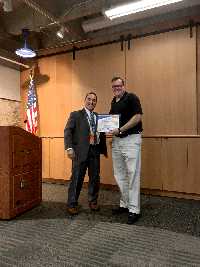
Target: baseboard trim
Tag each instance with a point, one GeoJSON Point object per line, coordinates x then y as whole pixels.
{"type": "Point", "coordinates": [142, 190]}
{"type": "Point", "coordinates": [170, 194]}
{"type": "Point", "coordinates": [85, 184]}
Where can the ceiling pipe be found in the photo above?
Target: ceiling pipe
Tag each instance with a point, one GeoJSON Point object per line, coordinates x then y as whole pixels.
{"type": "Point", "coordinates": [54, 20]}
{"type": "Point", "coordinates": [68, 11]}
{"type": "Point", "coordinates": [45, 13]}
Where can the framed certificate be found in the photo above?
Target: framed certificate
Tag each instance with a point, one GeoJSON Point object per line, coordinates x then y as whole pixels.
{"type": "Point", "coordinates": [108, 122]}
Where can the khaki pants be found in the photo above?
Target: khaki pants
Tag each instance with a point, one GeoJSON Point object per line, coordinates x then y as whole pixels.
{"type": "Point", "coordinates": [126, 155]}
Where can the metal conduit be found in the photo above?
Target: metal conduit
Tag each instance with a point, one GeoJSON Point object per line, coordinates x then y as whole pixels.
{"type": "Point", "coordinates": [50, 16]}
{"type": "Point", "coordinates": [45, 13]}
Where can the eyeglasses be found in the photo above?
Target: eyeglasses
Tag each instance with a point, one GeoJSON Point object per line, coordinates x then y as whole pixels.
{"type": "Point", "coordinates": [117, 86]}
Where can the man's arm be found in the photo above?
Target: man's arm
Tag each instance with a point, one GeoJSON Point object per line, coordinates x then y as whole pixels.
{"type": "Point", "coordinates": [68, 136]}
{"type": "Point", "coordinates": [130, 124]}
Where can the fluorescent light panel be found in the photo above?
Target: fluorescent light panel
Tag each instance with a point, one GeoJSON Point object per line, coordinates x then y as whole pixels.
{"type": "Point", "coordinates": [135, 7]}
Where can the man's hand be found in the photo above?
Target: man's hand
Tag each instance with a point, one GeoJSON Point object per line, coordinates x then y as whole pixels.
{"type": "Point", "coordinates": [115, 131]}
{"type": "Point", "coordinates": [71, 154]}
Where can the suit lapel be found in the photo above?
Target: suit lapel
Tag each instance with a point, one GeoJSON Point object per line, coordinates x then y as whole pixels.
{"type": "Point", "coordinates": [84, 117]}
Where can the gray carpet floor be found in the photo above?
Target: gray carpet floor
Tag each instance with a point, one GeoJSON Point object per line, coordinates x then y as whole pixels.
{"type": "Point", "coordinates": [166, 234]}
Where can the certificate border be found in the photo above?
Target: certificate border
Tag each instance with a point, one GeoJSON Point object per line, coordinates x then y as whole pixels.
{"type": "Point", "coordinates": [107, 115]}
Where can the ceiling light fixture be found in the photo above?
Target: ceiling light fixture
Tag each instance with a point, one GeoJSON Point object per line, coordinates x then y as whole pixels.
{"type": "Point", "coordinates": [138, 6]}
{"type": "Point", "coordinates": [7, 5]}
{"type": "Point", "coordinates": [25, 52]}
{"type": "Point", "coordinates": [61, 32]}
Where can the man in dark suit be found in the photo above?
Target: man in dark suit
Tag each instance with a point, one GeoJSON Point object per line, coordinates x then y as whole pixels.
{"type": "Point", "coordinates": [84, 146]}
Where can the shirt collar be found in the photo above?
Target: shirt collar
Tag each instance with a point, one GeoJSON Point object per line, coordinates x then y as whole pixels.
{"type": "Point", "coordinates": [88, 112]}
{"type": "Point", "coordinates": [120, 97]}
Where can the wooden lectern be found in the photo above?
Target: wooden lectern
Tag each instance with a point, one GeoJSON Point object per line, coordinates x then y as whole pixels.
{"type": "Point", "coordinates": [20, 171]}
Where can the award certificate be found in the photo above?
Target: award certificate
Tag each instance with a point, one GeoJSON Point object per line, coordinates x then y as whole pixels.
{"type": "Point", "coordinates": [107, 122]}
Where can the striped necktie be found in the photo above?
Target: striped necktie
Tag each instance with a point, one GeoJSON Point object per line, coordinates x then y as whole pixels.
{"type": "Point", "coordinates": [93, 127]}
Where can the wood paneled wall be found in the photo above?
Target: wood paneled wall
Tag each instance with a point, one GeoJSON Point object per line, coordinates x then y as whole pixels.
{"type": "Point", "coordinates": [57, 165]}
{"type": "Point", "coordinates": [93, 70]}
{"type": "Point", "coordinates": [53, 84]}
{"type": "Point", "coordinates": [198, 80]}
{"type": "Point", "coordinates": [171, 164]}
{"type": "Point", "coordinates": [161, 70]}
{"type": "Point", "coordinates": [151, 171]}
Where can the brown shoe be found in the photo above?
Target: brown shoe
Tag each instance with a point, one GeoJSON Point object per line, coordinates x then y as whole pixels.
{"type": "Point", "coordinates": [73, 211]}
{"type": "Point", "coordinates": [94, 207]}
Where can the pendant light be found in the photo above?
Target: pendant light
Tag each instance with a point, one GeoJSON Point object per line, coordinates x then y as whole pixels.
{"type": "Point", "coordinates": [25, 52]}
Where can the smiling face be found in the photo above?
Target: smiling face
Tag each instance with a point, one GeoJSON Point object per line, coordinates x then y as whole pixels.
{"type": "Point", "coordinates": [90, 102]}
{"type": "Point", "coordinates": [118, 88]}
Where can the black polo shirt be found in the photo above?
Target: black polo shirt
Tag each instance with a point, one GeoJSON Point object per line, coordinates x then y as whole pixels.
{"type": "Point", "coordinates": [127, 107]}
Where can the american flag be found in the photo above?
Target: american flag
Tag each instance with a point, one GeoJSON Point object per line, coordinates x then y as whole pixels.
{"type": "Point", "coordinates": [31, 115]}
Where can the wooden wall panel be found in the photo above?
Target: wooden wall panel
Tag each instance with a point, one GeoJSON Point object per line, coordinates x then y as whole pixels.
{"type": "Point", "coordinates": [57, 156]}
{"type": "Point", "coordinates": [198, 79]}
{"type": "Point", "coordinates": [25, 81]}
{"type": "Point", "coordinates": [161, 71]}
{"type": "Point", "coordinates": [47, 97]}
{"type": "Point", "coordinates": [174, 164]}
{"type": "Point", "coordinates": [107, 173]}
{"type": "Point", "coordinates": [55, 163]}
{"type": "Point", "coordinates": [53, 84]}
{"type": "Point", "coordinates": [63, 91]}
{"type": "Point", "coordinates": [193, 175]}
{"type": "Point", "coordinates": [93, 70]}
{"type": "Point", "coordinates": [60, 164]}
{"type": "Point", "coordinates": [45, 158]}
{"type": "Point", "coordinates": [151, 169]}
{"type": "Point", "coordinates": [55, 96]}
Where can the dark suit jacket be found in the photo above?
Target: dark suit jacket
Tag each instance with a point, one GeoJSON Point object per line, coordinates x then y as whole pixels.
{"type": "Point", "coordinates": [77, 135]}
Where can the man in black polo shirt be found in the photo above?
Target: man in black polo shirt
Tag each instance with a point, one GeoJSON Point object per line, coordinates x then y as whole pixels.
{"type": "Point", "coordinates": [126, 149]}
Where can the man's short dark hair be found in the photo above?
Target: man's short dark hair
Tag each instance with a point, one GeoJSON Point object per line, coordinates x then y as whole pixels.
{"type": "Point", "coordinates": [91, 93]}
{"type": "Point", "coordinates": [117, 78]}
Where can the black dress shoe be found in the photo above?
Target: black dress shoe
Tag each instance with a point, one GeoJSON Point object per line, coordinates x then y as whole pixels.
{"type": "Point", "coordinates": [120, 210]}
{"type": "Point", "coordinates": [133, 217]}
